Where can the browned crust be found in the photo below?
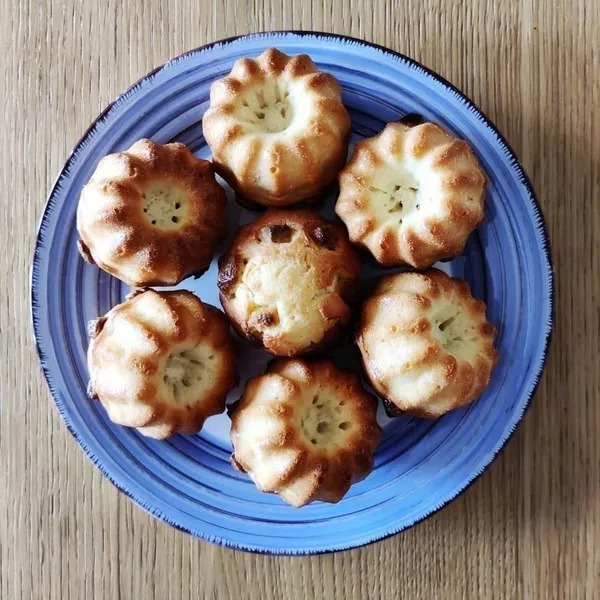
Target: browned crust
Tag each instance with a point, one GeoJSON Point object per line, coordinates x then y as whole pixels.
{"type": "Point", "coordinates": [314, 473]}
{"type": "Point", "coordinates": [141, 404]}
{"type": "Point", "coordinates": [322, 244]}
{"type": "Point", "coordinates": [85, 252]}
{"type": "Point", "coordinates": [457, 379]}
{"type": "Point", "coordinates": [429, 238]}
{"type": "Point", "coordinates": [308, 162]}
{"type": "Point", "coordinates": [157, 257]}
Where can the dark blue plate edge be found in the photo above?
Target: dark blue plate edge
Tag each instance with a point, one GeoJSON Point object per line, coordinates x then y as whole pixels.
{"type": "Point", "coordinates": [541, 224]}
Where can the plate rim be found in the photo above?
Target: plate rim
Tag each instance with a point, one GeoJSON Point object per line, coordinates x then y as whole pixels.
{"type": "Point", "coordinates": [541, 227]}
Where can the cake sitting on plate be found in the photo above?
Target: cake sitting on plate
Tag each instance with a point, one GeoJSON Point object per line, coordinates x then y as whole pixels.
{"type": "Point", "coordinates": [289, 281]}
{"type": "Point", "coordinates": [277, 129]}
{"type": "Point", "coordinates": [411, 195]}
{"type": "Point", "coordinates": [152, 215]}
{"type": "Point", "coordinates": [305, 431]}
{"type": "Point", "coordinates": [426, 344]}
{"type": "Point", "coordinates": [161, 362]}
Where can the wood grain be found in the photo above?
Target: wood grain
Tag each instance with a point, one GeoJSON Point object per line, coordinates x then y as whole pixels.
{"type": "Point", "coordinates": [529, 528]}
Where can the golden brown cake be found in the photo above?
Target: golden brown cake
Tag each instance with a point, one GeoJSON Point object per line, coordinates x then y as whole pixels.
{"type": "Point", "coordinates": [161, 362]}
{"type": "Point", "coordinates": [277, 128]}
{"type": "Point", "coordinates": [289, 280]}
{"type": "Point", "coordinates": [152, 215]}
{"type": "Point", "coordinates": [305, 431]}
{"type": "Point", "coordinates": [426, 345]}
{"type": "Point", "coordinates": [411, 195]}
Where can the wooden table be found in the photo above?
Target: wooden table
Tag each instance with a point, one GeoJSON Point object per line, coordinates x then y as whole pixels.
{"type": "Point", "coordinates": [529, 528]}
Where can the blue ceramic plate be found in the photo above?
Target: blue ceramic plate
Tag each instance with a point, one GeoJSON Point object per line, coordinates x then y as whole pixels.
{"type": "Point", "coordinates": [421, 465]}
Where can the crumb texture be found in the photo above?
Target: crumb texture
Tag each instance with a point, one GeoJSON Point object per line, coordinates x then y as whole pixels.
{"type": "Point", "coordinates": [426, 344]}
{"type": "Point", "coordinates": [411, 195]}
{"type": "Point", "coordinates": [277, 128]}
{"type": "Point", "coordinates": [289, 280]}
{"type": "Point", "coordinates": [152, 215]}
{"type": "Point", "coordinates": [305, 431]}
{"type": "Point", "coordinates": [162, 362]}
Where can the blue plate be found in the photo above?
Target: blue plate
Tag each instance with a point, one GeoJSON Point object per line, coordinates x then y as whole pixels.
{"type": "Point", "coordinates": [420, 465]}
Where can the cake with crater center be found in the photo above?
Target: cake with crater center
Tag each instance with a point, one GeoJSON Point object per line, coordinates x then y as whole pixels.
{"type": "Point", "coordinates": [152, 215]}
{"type": "Point", "coordinates": [305, 431]}
{"type": "Point", "coordinates": [277, 128]}
{"type": "Point", "coordinates": [426, 344]}
{"type": "Point", "coordinates": [411, 195]}
{"type": "Point", "coordinates": [162, 362]}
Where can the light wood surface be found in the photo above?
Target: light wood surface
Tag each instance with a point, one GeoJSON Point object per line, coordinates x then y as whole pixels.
{"type": "Point", "coordinates": [529, 528]}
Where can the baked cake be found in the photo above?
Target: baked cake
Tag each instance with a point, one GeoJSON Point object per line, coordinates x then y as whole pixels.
{"type": "Point", "coordinates": [277, 128]}
{"type": "Point", "coordinates": [152, 215]}
{"type": "Point", "coordinates": [161, 362]}
{"type": "Point", "coordinates": [305, 431]}
{"type": "Point", "coordinates": [411, 195]}
{"type": "Point", "coordinates": [289, 281]}
{"type": "Point", "coordinates": [426, 345]}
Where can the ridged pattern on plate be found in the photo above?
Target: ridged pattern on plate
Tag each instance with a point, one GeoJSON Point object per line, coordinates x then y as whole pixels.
{"type": "Point", "coordinates": [420, 465]}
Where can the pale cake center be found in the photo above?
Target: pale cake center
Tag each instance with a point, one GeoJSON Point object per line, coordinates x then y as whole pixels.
{"type": "Point", "coordinates": [455, 332]}
{"type": "Point", "coordinates": [165, 205]}
{"type": "Point", "coordinates": [396, 195]}
{"type": "Point", "coordinates": [325, 421]}
{"type": "Point", "coordinates": [267, 108]}
{"type": "Point", "coordinates": [189, 373]}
